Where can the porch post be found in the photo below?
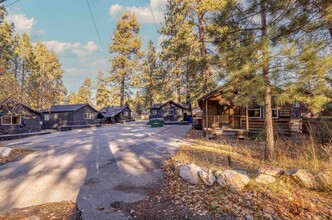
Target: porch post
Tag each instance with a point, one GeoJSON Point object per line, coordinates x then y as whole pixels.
{"type": "Point", "coordinates": [206, 118]}
{"type": "Point", "coordinates": [247, 119]}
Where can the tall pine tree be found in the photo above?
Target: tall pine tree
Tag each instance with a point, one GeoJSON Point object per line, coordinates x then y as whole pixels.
{"type": "Point", "coordinates": [266, 45]}
{"type": "Point", "coordinates": [126, 44]}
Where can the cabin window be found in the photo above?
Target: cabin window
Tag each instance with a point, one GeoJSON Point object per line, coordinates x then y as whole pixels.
{"type": "Point", "coordinates": [296, 105]}
{"type": "Point", "coordinates": [10, 120]}
{"type": "Point", "coordinates": [46, 117]}
{"type": "Point", "coordinates": [125, 114]}
{"type": "Point", "coordinates": [87, 115]}
{"type": "Point", "coordinates": [56, 116]}
{"type": "Point", "coordinates": [154, 112]}
{"type": "Point", "coordinates": [254, 113]}
{"type": "Point", "coordinates": [170, 111]}
{"type": "Point", "coordinates": [275, 113]}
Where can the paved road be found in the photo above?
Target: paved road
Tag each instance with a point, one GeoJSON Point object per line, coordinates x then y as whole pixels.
{"type": "Point", "coordinates": [93, 167]}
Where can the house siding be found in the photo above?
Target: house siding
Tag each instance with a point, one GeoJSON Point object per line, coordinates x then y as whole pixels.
{"type": "Point", "coordinates": [235, 117]}
{"type": "Point", "coordinates": [30, 122]}
{"type": "Point", "coordinates": [69, 118]}
{"type": "Point", "coordinates": [178, 112]}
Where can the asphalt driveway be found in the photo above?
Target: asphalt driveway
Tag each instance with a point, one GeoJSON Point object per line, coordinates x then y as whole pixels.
{"type": "Point", "coordinates": [92, 167]}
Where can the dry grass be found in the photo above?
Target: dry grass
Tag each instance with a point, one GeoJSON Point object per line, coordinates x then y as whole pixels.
{"type": "Point", "coordinates": [298, 151]}
{"type": "Point", "coordinates": [283, 199]}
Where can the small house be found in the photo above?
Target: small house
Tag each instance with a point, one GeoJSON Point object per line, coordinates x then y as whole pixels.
{"type": "Point", "coordinates": [220, 113]}
{"type": "Point", "coordinates": [17, 118]}
{"type": "Point", "coordinates": [115, 114]}
{"type": "Point", "coordinates": [170, 111]}
{"type": "Point", "coordinates": [69, 115]}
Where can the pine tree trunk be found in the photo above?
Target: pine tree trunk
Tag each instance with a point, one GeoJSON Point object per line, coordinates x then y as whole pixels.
{"type": "Point", "coordinates": [122, 90]}
{"type": "Point", "coordinates": [330, 30]}
{"type": "Point", "coordinates": [269, 136]}
{"type": "Point", "coordinates": [22, 82]}
{"type": "Point", "coordinates": [202, 47]}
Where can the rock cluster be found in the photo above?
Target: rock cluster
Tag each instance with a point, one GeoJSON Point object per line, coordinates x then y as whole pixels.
{"type": "Point", "coordinates": [236, 180]}
{"type": "Point", "coordinates": [231, 179]}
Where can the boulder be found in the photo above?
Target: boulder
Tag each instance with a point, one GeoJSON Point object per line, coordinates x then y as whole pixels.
{"type": "Point", "coordinates": [290, 172]}
{"type": "Point", "coordinates": [5, 151]}
{"type": "Point", "coordinates": [270, 170]}
{"type": "Point", "coordinates": [189, 173]}
{"type": "Point", "coordinates": [232, 179]}
{"type": "Point", "coordinates": [324, 179]}
{"type": "Point", "coordinates": [265, 179]}
{"type": "Point", "coordinates": [305, 178]}
{"type": "Point", "coordinates": [207, 177]}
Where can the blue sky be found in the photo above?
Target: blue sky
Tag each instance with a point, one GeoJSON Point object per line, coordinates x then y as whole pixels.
{"type": "Point", "coordinates": [66, 27]}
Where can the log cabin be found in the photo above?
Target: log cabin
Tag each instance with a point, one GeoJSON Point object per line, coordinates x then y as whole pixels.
{"type": "Point", "coordinates": [221, 114]}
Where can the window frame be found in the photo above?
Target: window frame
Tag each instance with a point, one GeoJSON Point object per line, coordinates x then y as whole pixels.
{"type": "Point", "coordinates": [296, 105]}
{"type": "Point", "coordinates": [273, 109]}
{"type": "Point", "coordinates": [89, 116]}
{"type": "Point", "coordinates": [170, 109]}
{"type": "Point", "coordinates": [46, 118]}
{"type": "Point", "coordinates": [255, 109]}
{"type": "Point", "coordinates": [154, 112]}
{"type": "Point", "coordinates": [11, 120]}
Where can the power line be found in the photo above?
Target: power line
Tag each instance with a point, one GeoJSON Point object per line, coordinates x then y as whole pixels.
{"type": "Point", "coordinates": [12, 3]}
{"type": "Point", "coordinates": [96, 28]}
{"type": "Point", "coordinates": [154, 19]}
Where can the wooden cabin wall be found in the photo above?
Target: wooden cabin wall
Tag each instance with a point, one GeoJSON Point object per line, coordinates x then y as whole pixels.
{"type": "Point", "coordinates": [238, 118]}
{"type": "Point", "coordinates": [281, 124]}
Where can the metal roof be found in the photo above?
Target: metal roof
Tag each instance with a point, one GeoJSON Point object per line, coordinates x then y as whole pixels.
{"type": "Point", "coordinates": [66, 108]}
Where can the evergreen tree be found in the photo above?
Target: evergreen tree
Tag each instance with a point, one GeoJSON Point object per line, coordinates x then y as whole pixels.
{"type": "Point", "coordinates": [102, 94]}
{"type": "Point", "coordinates": [262, 46]}
{"type": "Point", "coordinates": [126, 46]}
{"type": "Point", "coordinates": [84, 95]}
{"type": "Point", "coordinates": [185, 48]}
{"type": "Point", "coordinates": [150, 79]}
{"type": "Point", "coordinates": [138, 103]}
{"type": "Point", "coordinates": [45, 86]}
{"type": "Point", "coordinates": [71, 98]}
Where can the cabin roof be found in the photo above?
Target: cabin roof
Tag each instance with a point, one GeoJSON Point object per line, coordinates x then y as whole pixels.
{"type": "Point", "coordinates": [160, 105]}
{"type": "Point", "coordinates": [112, 111]}
{"type": "Point", "coordinates": [66, 108]}
{"type": "Point", "coordinates": [7, 106]}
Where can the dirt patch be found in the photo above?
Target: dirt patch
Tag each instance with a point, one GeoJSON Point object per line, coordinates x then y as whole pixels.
{"type": "Point", "coordinates": [64, 210]}
{"type": "Point", "coordinates": [15, 155]}
{"type": "Point", "coordinates": [160, 204]}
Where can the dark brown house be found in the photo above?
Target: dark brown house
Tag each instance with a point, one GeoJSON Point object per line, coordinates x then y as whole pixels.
{"type": "Point", "coordinates": [220, 113]}
{"type": "Point", "coordinates": [69, 115]}
{"type": "Point", "coordinates": [17, 118]}
{"type": "Point", "coordinates": [115, 114]}
{"type": "Point", "coordinates": [169, 111]}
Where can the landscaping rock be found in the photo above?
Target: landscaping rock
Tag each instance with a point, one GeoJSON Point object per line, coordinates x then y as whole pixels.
{"type": "Point", "coordinates": [189, 173]}
{"type": "Point", "coordinates": [290, 172]}
{"type": "Point", "coordinates": [5, 151]}
{"type": "Point", "coordinates": [324, 179]}
{"type": "Point", "coordinates": [265, 179]}
{"type": "Point", "coordinates": [232, 179]}
{"type": "Point", "coordinates": [270, 170]}
{"type": "Point", "coordinates": [306, 179]}
{"type": "Point", "coordinates": [207, 177]}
